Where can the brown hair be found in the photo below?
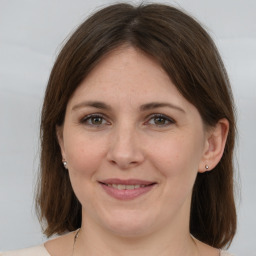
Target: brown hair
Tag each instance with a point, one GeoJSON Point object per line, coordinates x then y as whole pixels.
{"type": "Point", "coordinates": [189, 56]}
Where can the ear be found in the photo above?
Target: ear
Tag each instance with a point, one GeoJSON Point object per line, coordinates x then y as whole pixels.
{"type": "Point", "coordinates": [214, 146]}
{"type": "Point", "coordinates": [59, 133]}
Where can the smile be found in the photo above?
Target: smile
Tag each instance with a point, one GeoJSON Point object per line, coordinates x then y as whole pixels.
{"type": "Point", "coordinates": [126, 189]}
{"type": "Point", "coordinates": [122, 187]}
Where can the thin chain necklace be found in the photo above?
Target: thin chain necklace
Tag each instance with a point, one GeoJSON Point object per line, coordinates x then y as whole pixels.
{"type": "Point", "coordinates": [77, 234]}
{"type": "Point", "coordinates": [194, 241]}
{"type": "Point", "coordinates": [75, 238]}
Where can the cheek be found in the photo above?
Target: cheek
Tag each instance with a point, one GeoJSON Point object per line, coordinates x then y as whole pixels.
{"type": "Point", "coordinates": [84, 157]}
{"type": "Point", "coordinates": [178, 157]}
{"type": "Point", "coordinates": [83, 154]}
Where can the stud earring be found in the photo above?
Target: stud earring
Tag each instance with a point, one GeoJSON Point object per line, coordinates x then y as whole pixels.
{"type": "Point", "coordinates": [206, 167]}
{"type": "Point", "coordinates": [65, 164]}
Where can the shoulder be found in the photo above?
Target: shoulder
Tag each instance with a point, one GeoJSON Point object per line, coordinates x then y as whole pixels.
{"type": "Point", "coordinates": [208, 250]}
{"type": "Point", "coordinates": [225, 253]}
{"type": "Point", "coordinates": [32, 251]}
{"type": "Point", "coordinates": [61, 245]}
{"type": "Point", "coordinates": [58, 246]}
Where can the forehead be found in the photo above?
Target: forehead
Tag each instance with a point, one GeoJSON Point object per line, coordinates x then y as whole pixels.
{"type": "Point", "coordinates": [126, 72]}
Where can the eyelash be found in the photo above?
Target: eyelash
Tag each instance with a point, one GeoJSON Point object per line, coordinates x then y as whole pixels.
{"type": "Point", "coordinates": [90, 117]}
{"type": "Point", "coordinates": [165, 118]}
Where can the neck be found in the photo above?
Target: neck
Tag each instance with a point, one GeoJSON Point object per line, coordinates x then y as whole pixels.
{"type": "Point", "coordinates": [173, 240]}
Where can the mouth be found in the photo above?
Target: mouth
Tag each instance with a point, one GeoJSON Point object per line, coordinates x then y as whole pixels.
{"type": "Point", "coordinates": [123, 187]}
{"type": "Point", "coordinates": [126, 189]}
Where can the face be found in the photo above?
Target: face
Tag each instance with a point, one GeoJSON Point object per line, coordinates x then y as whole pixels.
{"type": "Point", "coordinates": [133, 146]}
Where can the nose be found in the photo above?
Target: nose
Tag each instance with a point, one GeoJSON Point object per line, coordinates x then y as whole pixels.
{"type": "Point", "coordinates": [125, 149]}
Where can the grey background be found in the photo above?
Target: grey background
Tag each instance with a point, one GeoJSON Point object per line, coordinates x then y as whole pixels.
{"type": "Point", "coordinates": [31, 32]}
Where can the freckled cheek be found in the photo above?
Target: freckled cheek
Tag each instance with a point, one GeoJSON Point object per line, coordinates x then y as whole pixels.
{"type": "Point", "coordinates": [174, 157]}
{"type": "Point", "coordinates": [84, 156]}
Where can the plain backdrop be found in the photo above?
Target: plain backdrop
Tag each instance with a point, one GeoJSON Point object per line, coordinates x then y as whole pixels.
{"type": "Point", "coordinates": [31, 32]}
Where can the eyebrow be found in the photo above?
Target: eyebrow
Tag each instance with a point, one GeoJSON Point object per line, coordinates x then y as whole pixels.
{"type": "Point", "coordinates": [95, 104]}
{"type": "Point", "coordinates": [154, 105]}
{"type": "Point", "coordinates": [144, 107]}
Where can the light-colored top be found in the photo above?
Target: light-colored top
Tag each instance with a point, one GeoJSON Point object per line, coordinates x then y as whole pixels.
{"type": "Point", "coordinates": [32, 251]}
{"type": "Point", "coordinates": [41, 251]}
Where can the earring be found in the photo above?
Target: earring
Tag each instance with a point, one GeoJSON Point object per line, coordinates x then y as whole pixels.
{"type": "Point", "coordinates": [65, 164]}
{"type": "Point", "coordinates": [206, 167]}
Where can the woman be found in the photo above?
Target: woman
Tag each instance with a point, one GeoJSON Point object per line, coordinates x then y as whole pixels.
{"type": "Point", "coordinates": [137, 136]}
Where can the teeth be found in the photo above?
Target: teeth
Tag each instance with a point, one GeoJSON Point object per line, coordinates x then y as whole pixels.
{"type": "Point", "coordinates": [130, 187]}
{"type": "Point", "coordinates": [122, 187]}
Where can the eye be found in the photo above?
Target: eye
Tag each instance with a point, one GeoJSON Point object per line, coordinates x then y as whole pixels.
{"type": "Point", "coordinates": [160, 120]}
{"type": "Point", "coordinates": [94, 120]}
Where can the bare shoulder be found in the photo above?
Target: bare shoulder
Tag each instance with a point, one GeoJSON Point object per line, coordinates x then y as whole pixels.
{"type": "Point", "coordinates": [61, 246]}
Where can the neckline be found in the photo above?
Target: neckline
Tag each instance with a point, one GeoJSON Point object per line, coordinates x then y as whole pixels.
{"type": "Point", "coordinates": [45, 250]}
{"type": "Point", "coordinates": [48, 254]}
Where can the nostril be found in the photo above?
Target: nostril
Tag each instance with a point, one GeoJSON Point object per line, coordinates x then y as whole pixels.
{"type": "Point", "coordinates": [113, 162]}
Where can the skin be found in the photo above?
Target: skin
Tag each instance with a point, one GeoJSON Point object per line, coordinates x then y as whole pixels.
{"type": "Point", "coordinates": [127, 142]}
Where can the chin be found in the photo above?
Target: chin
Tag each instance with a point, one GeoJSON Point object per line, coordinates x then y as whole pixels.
{"type": "Point", "coordinates": [129, 226]}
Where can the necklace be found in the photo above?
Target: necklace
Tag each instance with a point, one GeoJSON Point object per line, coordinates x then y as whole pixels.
{"type": "Point", "coordinates": [194, 241]}
{"type": "Point", "coordinates": [75, 238]}
{"type": "Point", "coordinates": [77, 234]}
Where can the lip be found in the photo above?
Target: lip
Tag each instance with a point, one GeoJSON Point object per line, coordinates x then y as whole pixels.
{"type": "Point", "coordinates": [126, 194]}
{"type": "Point", "coordinates": [127, 182]}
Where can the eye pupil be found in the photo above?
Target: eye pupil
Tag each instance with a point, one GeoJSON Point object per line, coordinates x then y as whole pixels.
{"type": "Point", "coordinates": [159, 120]}
{"type": "Point", "coordinates": [97, 120]}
